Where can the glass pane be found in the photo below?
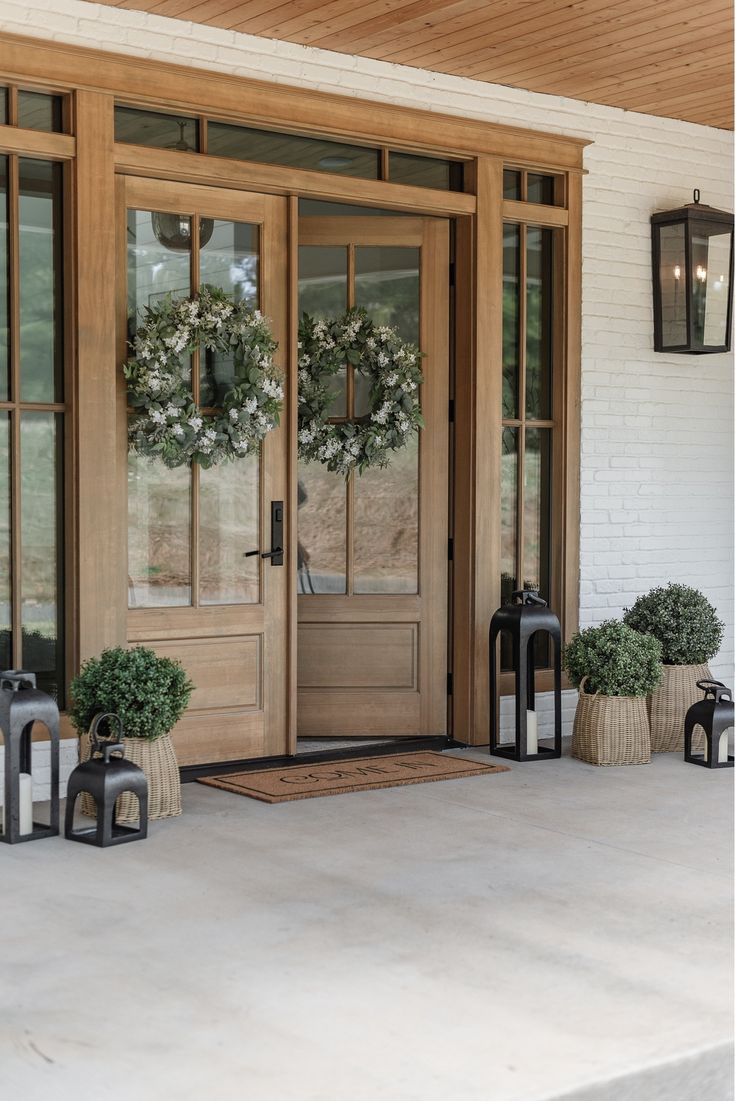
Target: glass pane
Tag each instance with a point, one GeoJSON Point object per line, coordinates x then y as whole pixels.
{"type": "Point", "coordinates": [716, 279]}
{"type": "Point", "coordinates": [386, 525]}
{"type": "Point", "coordinates": [508, 530]}
{"type": "Point", "coordinates": [537, 511]}
{"type": "Point", "coordinates": [511, 318]}
{"type": "Point", "coordinates": [323, 294]}
{"type": "Point", "coordinates": [322, 554]}
{"type": "Point", "coordinates": [41, 307]}
{"type": "Point", "coordinates": [387, 285]}
{"type": "Point", "coordinates": [540, 189]}
{"type": "Point", "coordinates": [511, 184]}
{"type": "Point", "coordinates": [4, 106]}
{"type": "Point", "coordinates": [159, 534]}
{"type": "Point", "coordinates": [672, 276]}
{"type": "Point", "coordinates": [539, 348]}
{"type": "Point", "coordinates": [269, 147]}
{"type": "Point", "coordinates": [228, 259]}
{"type": "Point", "coordinates": [229, 525]}
{"type": "Point", "coordinates": [4, 287]}
{"type": "Point", "coordinates": [41, 548]}
{"type": "Point", "coordinates": [159, 262]}
{"type": "Point", "coordinates": [162, 131]}
{"type": "Point", "coordinates": [406, 168]}
{"type": "Point", "coordinates": [39, 111]}
{"type": "Point", "coordinates": [318, 208]}
{"type": "Point", "coordinates": [6, 649]}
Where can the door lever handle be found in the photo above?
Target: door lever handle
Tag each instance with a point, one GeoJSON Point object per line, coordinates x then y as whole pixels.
{"type": "Point", "coordinates": [271, 553]}
{"type": "Point", "coordinates": [251, 554]}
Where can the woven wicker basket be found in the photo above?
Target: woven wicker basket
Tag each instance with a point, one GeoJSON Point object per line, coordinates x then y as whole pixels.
{"type": "Point", "coordinates": [158, 761]}
{"type": "Point", "coordinates": [669, 703]}
{"type": "Point", "coordinates": [611, 730]}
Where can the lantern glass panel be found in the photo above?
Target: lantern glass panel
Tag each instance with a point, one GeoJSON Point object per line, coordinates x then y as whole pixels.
{"type": "Point", "coordinates": [672, 274]}
{"type": "Point", "coordinates": [710, 282]}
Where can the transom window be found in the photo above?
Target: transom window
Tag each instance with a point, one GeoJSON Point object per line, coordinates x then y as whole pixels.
{"type": "Point", "coordinates": [32, 110]}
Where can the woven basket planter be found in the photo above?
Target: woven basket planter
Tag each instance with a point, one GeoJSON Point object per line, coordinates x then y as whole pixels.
{"type": "Point", "coordinates": [669, 703]}
{"type": "Point", "coordinates": [611, 730]}
{"type": "Point", "coordinates": [158, 761]}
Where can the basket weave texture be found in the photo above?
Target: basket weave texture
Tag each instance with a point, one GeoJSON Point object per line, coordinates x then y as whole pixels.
{"type": "Point", "coordinates": [669, 703]}
{"type": "Point", "coordinates": [611, 730]}
{"type": "Point", "coordinates": [158, 761]}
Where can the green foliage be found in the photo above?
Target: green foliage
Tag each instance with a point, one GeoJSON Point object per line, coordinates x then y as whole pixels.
{"type": "Point", "coordinates": [683, 621]}
{"type": "Point", "coordinates": [616, 660]}
{"type": "Point", "coordinates": [148, 692]}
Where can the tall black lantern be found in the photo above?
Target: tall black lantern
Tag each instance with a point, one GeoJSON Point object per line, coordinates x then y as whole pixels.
{"type": "Point", "coordinates": [21, 706]}
{"type": "Point", "coordinates": [526, 616]}
{"type": "Point", "coordinates": [692, 279]}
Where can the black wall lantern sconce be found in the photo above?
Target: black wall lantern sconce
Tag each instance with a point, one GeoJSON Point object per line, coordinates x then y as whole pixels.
{"type": "Point", "coordinates": [22, 705]}
{"type": "Point", "coordinates": [692, 279]}
{"type": "Point", "coordinates": [522, 619]}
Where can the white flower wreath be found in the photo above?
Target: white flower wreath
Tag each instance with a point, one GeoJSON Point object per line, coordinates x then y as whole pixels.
{"type": "Point", "coordinates": [169, 424]}
{"type": "Point", "coordinates": [387, 362]}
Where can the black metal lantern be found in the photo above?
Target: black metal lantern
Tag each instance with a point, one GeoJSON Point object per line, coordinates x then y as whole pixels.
{"type": "Point", "coordinates": [715, 714]}
{"type": "Point", "coordinates": [105, 777]}
{"type": "Point", "coordinates": [692, 279]}
{"type": "Point", "coordinates": [526, 616]}
{"type": "Point", "coordinates": [21, 706]}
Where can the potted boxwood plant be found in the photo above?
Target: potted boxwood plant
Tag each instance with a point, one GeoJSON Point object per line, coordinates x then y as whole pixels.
{"type": "Point", "coordinates": [686, 625]}
{"type": "Point", "coordinates": [614, 668]}
{"type": "Point", "coordinates": [150, 694]}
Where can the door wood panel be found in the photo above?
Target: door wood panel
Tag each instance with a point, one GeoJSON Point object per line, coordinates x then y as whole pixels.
{"type": "Point", "coordinates": [376, 663]}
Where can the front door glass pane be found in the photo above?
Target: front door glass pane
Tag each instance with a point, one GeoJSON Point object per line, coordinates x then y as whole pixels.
{"type": "Point", "coordinates": [539, 348]}
{"type": "Point", "coordinates": [6, 653]}
{"type": "Point", "coordinates": [41, 547]}
{"type": "Point", "coordinates": [159, 534]}
{"type": "Point", "coordinates": [386, 517]}
{"type": "Point", "coordinates": [322, 542]}
{"type": "Point", "coordinates": [323, 295]}
{"type": "Point", "coordinates": [4, 284]}
{"type": "Point", "coordinates": [228, 259]}
{"type": "Point", "coordinates": [537, 511]}
{"type": "Point", "coordinates": [159, 499]}
{"type": "Point", "coordinates": [41, 308]}
{"type": "Point", "coordinates": [229, 527]}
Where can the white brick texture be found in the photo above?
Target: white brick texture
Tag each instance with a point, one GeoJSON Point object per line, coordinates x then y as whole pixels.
{"type": "Point", "coordinates": [656, 429]}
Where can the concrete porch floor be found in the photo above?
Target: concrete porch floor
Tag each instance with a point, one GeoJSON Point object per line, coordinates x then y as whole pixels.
{"type": "Point", "coordinates": [558, 931]}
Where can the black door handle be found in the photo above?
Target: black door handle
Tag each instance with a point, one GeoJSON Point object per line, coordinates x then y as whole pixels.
{"type": "Point", "coordinates": [276, 554]}
{"type": "Point", "coordinates": [272, 554]}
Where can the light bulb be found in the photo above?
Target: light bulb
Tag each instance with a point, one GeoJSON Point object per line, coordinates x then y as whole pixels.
{"type": "Point", "coordinates": [677, 271]}
{"type": "Point", "coordinates": [701, 273]}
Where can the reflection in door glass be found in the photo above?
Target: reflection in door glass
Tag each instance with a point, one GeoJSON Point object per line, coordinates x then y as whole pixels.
{"type": "Point", "coordinates": [40, 559]}
{"type": "Point", "coordinates": [321, 555]}
{"type": "Point", "coordinates": [229, 260]}
{"type": "Point", "coordinates": [4, 287]}
{"type": "Point", "coordinates": [6, 652]}
{"type": "Point", "coordinates": [159, 261]}
{"type": "Point", "coordinates": [41, 308]}
{"type": "Point", "coordinates": [229, 527]}
{"type": "Point", "coordinates": [159, 540]}
{"type": "Point", "coordinates": [386, 501]}
{"type": "Point", "coordinates": [323, 295]}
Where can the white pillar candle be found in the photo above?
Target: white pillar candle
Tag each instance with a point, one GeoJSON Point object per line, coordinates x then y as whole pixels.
{"type": "Point", "coordinates": [531, 732]}
{"type": "Point", "coordinates": [25, 804]}
{"type": "Point", "coordinates": [722, 748]}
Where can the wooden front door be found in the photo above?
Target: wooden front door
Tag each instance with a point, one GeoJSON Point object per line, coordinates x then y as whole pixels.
{"type": "Point", "coordinates": [193, 595]}
{"type": "Point", "coordinates": [372, 551]}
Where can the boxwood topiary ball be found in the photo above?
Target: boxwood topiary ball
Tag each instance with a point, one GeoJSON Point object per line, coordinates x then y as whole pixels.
{"type": "Point", "coordinates": [682, 619]}
{"type": "Point", "coordinates": [615, 659]}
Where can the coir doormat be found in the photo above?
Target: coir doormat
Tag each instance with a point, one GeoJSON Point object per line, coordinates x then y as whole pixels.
{"type": "Point", "coordinates": [279, 785]}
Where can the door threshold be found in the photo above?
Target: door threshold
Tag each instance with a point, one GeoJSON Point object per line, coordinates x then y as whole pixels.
{"type": "Point", "coordinates": [437, 743]}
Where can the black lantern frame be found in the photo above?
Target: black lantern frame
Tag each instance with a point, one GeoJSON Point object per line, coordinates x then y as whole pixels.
{"type": "Point", "coordinates": [684, 279]}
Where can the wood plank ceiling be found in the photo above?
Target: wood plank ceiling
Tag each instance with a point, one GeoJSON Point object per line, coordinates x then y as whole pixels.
{"type": "Point", "coordinates": [673, 59]}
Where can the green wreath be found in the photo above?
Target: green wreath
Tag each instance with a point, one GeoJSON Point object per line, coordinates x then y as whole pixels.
{"type": "Point", "coordinates": [389, 364]}
{"type": "Point", "coordinates": [168, 424]}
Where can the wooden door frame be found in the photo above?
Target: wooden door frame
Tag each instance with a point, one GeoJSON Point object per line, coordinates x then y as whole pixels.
{"type": "Point", "coordinates": [94, 81]}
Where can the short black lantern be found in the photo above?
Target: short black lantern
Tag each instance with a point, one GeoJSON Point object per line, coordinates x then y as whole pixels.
{"type": "Point", "coordinates": [715, 714]}
{"type": "Point", "coordinates": [526, 616]}
{"type": "Point", "coordinates": [22, 705]}
{"type": "Point", "coordinates": [105, 776]}
{"type": "Point", "coordinates": [692, 279]}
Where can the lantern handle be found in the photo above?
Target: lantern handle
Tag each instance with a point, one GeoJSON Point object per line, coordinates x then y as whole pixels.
{"type": "Point", "coordinates": [529, 596]}
{"type": "Point", "coordinates": [715, 690]}
{"type": "Point", "coordinates": [14, 679]}
{"type": "Point", "coordinates": [695, 195]}
{"type": "Point", "coordinates": [103, 745]}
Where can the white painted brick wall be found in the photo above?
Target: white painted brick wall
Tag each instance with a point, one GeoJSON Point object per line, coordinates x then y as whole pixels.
{"type": "Point", "coordinates": [657, 483]}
